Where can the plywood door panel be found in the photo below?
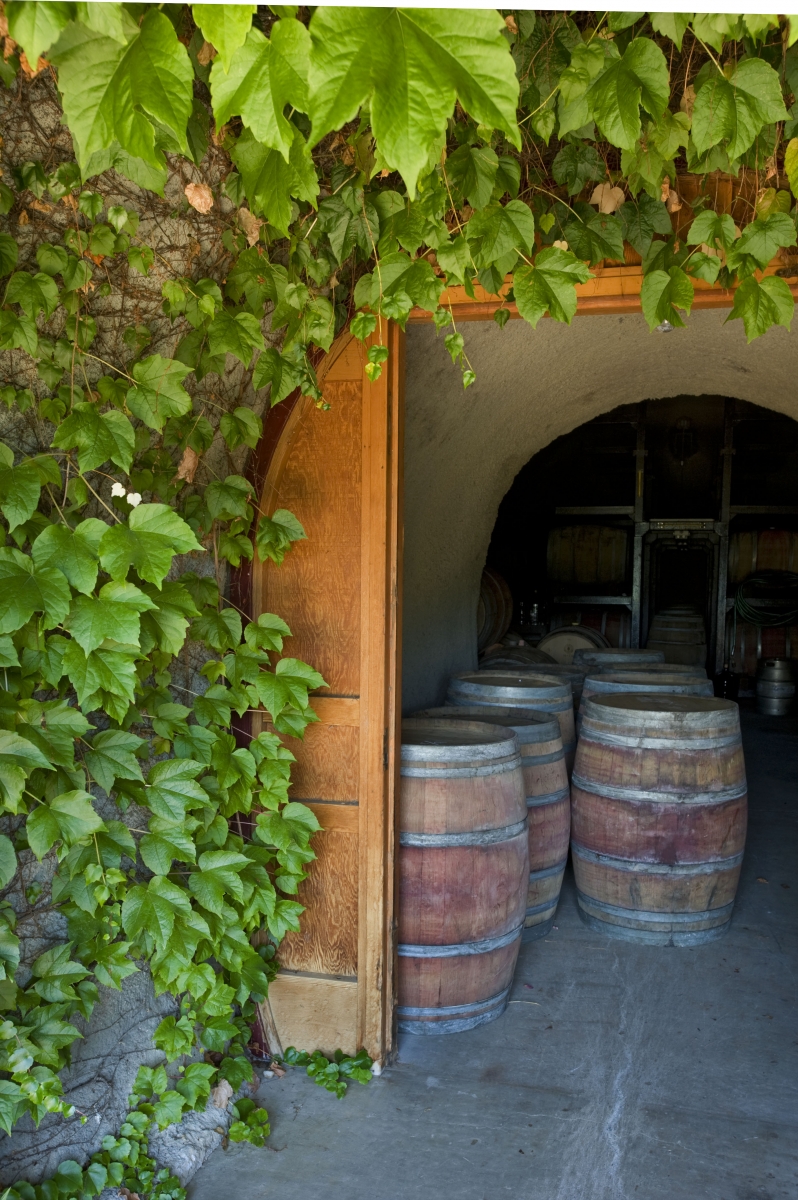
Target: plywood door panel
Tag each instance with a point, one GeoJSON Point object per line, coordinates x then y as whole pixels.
{"type": "Point", "coordinates": [317, 588]}
{"type": "Point", "coordinates": [339, 473]}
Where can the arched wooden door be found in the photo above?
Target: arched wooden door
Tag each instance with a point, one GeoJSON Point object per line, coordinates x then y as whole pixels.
{"type": "Point", "coordinates": [339, 472]}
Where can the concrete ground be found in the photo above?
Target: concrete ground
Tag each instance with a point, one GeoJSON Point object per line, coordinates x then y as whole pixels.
{"type": "Point", "coordinates": [619, 1072]}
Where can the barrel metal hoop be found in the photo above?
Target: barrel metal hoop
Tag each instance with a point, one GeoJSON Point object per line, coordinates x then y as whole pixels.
{"type": "Point", "coordinates": [453, 1010]}
{"type": "Point", "coordinates": [477, 837]}
{"type": "Point", "coordinates": [709, 867]}
{"type": "Point", "coordinates": [446, 772]}
{"type": "Point", "coordinates": [548, 798]}
{"type": "Point", "coordinates": [540, 760]}
{"type": "Point", "coordinates": [463, 700]}
{"type": "Point", "coordinates": [606, 790]}
{"type": "Point", "coordinates": [549, 906]}
{"type": "Point", "coordinates": [547, 872]}
{"type": "Point", "coordinates": [655, 918]}
{"type": "Point", "coordinates": [644, 742]}
{"type": "Point", "coordinates": [461, 948]}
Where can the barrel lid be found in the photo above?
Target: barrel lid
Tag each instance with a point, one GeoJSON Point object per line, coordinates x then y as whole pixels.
{"type": "Point", "coordinates": [454, 739]}
{"type": "Point", "coordinates": [659, 715]}
{"type": "Point", "coordinates": [649, 680]}
{"type": "Point", "coordinates": [518, 681]}
{"type": "Point", "coordinates": [531, 726]}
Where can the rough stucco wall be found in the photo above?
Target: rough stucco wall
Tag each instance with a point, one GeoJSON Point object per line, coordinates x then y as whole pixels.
{"type": "Point", "coordinates": [463, 450]}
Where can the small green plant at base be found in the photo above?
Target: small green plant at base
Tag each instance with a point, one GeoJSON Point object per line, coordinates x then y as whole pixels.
{"type": "Point", "coordinates": [333, 1074]}
{"type": "Point", "coordinates": [251, 1123]}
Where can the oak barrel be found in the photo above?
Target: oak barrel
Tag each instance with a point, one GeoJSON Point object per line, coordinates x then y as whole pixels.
{"type": "Point", "coordinates": [690, 670]}
{"type": "Point", "coordinates": [587, 554]}
{"type": "Point", "coordinates": [563, 643]}
{"type": "Point", "coordinates": [658, 812]}
{"type": "Point", "coordinates": [656, 682]}
{"type": "Point", "coordinates": [681, 635]}
{"type": "Point", "coordinates": [514, 658]}
{"type": "Point", "coordinates": [548, 801]}
{"type": "Point", "coordinates": [494, 608]}
{"type": "Point", "coordinates": [463, 870]}
{"type": "Point", "coordinates": [752, 550]}
{"type": "Point", "coordinates": [593, 660]}
{"type": "Point", "coordinates": [525, 689]}
{"type": "Point", "coordinates": [564, 671]}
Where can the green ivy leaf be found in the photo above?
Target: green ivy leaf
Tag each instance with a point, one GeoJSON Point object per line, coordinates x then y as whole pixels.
{"type": "Point", "coordinates": [500, 232]}
{"type": "Point", "coordinates": [8, 861]}
{"type": "Point", "coordinates": [33, 293]}
{"type": "Point", "coordinates": [760, 241]}
{"type": "Point", "coordinates": [279, 371]}
{"type": "Point", "coordinates": [263, 78]}
{"type": "Point", "coordinates": [548, 286]}
{"type": "Point", "coordinates": [105, 678]}
{"type": "Point", "coordinates": [226, 28]}
{"type": "Point", "coordinates": [663, 293]}
{"type": "Point", "coordinates": [20, 488]}
{"type": "Point", "coordinates": [598, 237]}
{"type": "Point", "coordinates": [114, 613]}
{"type": "Point", "coordinates": [159, 393]}
{"type": "Point", "coordinates": [153, 535]}
{"type": "Point", "coordinates": [152, 910]}
{"type": "Point", "coordinates": [410, 65]}
{"type": "Point", "coordinates": [98, 437]}
{"type": "Point", "coordinates": [576, 164]}
{"type": "Point", "coordinates": [69, 818]}
{"type": "Point", "coordinates": [55, 972]}
{"type": "Point", "coordinates": [241, 427]}
{"type": "Point", "coordinates": [229, 498]}
{"type": "Point", "coordinates": [238, 334]}
{"type": "Point", "coordinates": [9, 253]}
{"type": "Point", "coordinates": [276, 533]}
{"type": "Point", "coordinates": [712, 229]}
{"type": "Point", "coordinates": [26, 589]}
{"type": "Point", "coordinates": [36, 26]}
{"type": "Point", "coordinates": [737, 108]}
{"type": "Point", "coordinates": [172, 787]}
{"type": "Point", "coordinates": [472, 171]}
{"type": "Point", "coordinates": [218, 877]}
{"type": "Point", "coordinates": [640, 76]}
{"type": "Point", "coordinates": [221, 630]}
{"type": "Point", "coordinates": [671, 25]}
{"type": "Point", "coordinates": [760, 304]}
{"type": "Point", "coordinates": [112, 757]}
{"type": "Point", "coordinates": [791, 164]}
{"type": "Point", "coordinates": [270, 181]}
{"type": "Point", "coordinates": [111, 88]}
{"type": "Point", "coordinates": [74, 552]}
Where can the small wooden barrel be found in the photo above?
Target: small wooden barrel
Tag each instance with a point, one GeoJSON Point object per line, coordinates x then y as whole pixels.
{"type": "Point", "coordinates": [608, 660]}
{"type": "Point", "coordinates": [540, 693]}
{"type": "Point", "coordinates": [563, 643]}
{"type": "Point", "coordinates": [659, 810]}
{"type": "Point", "coordinates": [608, 683]}
{"type": "Point", "coordinates": [548, 801]}
{"type": "Point", "coordinates": [680, 635]}
{"type": "Point", "coordinates": [463, 869]}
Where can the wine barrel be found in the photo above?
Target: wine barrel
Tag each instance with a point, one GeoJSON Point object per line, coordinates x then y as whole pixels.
{"type": "Point", "coordinates": [686, 669]}
{"type": "Point", "coordinates": [513, 658]}
{"type": "Point", "coordinates": [564, 671]}
{"type": "Point", "coordinates": [587, 554]}
{"type": "Point", "coordinates": [563, 643]}
{"type": "Point", "coordinates": [608, 660]}
{"type": "Point", "coordinates": [494, 609]}
{"type": "Point", "coordinates": [463, 869]}
{"type": "Point", "coordinates": [775, 687]}
{"type": "Point", "coordinates": [658, 814]}
{"type": "Point", "coordinates": [608, 683]}
{"type": "Point", "coordinates": [511, 689]}
{"type": "Point", "coordinates": [548, 801]}
{"type": "Point", "coordinates": [680, 635]}
{"type": "Point", "coordinates": [753, 550]}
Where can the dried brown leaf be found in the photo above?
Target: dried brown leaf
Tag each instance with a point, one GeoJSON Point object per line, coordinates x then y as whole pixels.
{"type": "Point", "coordinates": [199, 196]}
{"type": "Point", "coordinates": [187, 468]}
{"type": "Point", "coordinates": [23, 218]}
{"type": "Point", "coordinates": [222, 1094]}
{"type": "Point", "coordinates": [687, 101]}
{"type": "Point", "coordinates": [206, 54]}
{"type": "Point", "coordinates": [607, 197]}
{"type": "Point", "coordinates": [250, 224]}
{"type": "Point", "coordinates": [511, 24]}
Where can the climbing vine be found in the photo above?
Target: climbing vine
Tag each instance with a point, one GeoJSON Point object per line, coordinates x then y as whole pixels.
{"type": "Point", "coordinates": [195, 201]}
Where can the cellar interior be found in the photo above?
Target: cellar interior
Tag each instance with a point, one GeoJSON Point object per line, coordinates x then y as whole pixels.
{"type": "Point", "coordinates": [662, 505]}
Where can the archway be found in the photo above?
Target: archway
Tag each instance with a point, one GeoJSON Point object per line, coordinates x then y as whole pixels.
{"type": "Point", "coordinates": [463, 450]}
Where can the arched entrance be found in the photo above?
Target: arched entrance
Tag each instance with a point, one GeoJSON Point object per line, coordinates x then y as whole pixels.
{"type": "Point", "coordinates": [344, 473]}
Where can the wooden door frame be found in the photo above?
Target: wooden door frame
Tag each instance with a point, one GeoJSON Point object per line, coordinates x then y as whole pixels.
{"type": "Point", "coordinates": [614, 290]}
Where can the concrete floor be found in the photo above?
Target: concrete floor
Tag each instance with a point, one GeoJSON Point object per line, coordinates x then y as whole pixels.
{"type": "Point", "coordinates": [619, 1072]}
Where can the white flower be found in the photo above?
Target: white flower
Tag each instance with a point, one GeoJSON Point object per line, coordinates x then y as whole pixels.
{"type": "Point", "coordinates": [133, 498]}
{"type": "Point", "coordinates": [117, 490]}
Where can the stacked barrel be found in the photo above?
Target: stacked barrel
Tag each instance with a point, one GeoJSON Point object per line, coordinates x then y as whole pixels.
{"type": "Point", "coordinates": [655, 813]}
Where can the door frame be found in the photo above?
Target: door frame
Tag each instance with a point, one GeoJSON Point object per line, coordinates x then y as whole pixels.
{"type": "Point", "coordinates": [613, 290]}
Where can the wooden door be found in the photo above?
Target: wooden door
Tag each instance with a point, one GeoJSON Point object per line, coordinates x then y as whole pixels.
{"type": "Point", "coordinates": [339, 473]}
